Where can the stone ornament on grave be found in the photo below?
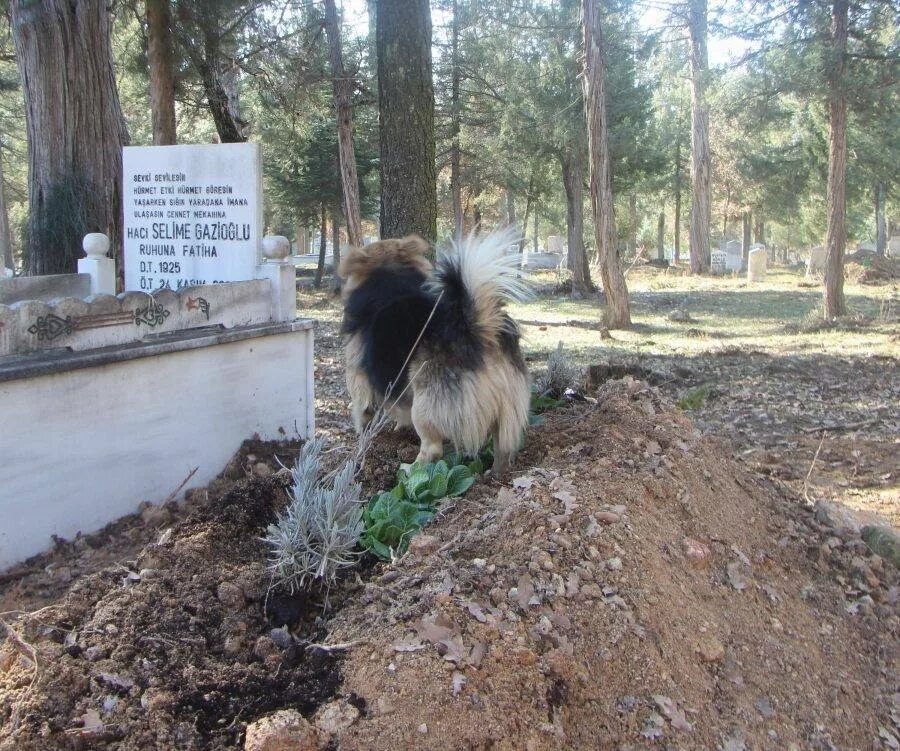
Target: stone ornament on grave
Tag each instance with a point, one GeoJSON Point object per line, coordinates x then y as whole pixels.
{"type": "Point", "coordinates": [193, 214]}
{"type": "Point", "coordinates": [756, 266]}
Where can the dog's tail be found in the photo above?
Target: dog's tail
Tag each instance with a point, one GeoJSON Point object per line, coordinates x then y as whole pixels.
{"type": "Point", "coordinates": [477, 277]}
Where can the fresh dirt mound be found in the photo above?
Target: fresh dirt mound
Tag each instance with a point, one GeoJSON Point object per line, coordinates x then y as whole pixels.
{"type": "Point", "coordinates": [637, 585]}
{"type": "Point", "coordinates": [633, 583]}
{"type": "Point", "coordinates": [865, 267]}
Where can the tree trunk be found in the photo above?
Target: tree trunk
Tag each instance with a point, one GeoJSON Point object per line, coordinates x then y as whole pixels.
{"type": "Point", "coordinates": [536, 249]}
{"type": "Point", "coordinates": [528, 202]}
{"type": "Point", "coordinates": [323, 249]}
{"type": "Point", "coordinates": [510, 208]}
{"type": "Point", "coordinates": [342, 90]}
{"type": "Point", "coordinates": [301, 235]}
{"type": "Point", "coordinates": [573, 179]}
{"type": "Point", "coordinates": [632, 223]}
{"type": "Point", "coordinates": [75, 129]}
{"type": "Point", "coordinates": [836, 203]}
{"type": "Point", "coordinates": [880, 223]}
{"type": "Point", "coordinates": [661, 237]}
{"type": "Point", "coordinates": [406, 119]}
{"type": "Point", "coordinates": [162, 75]}
{"type": "Point", "coordinates": [700, 155]}
{"type": "Point", "coordinates": [455, 186]}
{"type": "Point", "coordinates": [725, 211]}
{"type": "Point", "coordinates": [745, 246]}
{"type": "Point", "coordinates": [618, 313]}
{"type": "Point", "coordinates": [6, 256]}
{"type": "Point", "coordinates": [677, 228]}
{"type": "Point", "coordinates": [228, 123]}
{"type": "Point", "coordinates": [335, 251]}
{"type": "Point", "coordinates": [759, 231]}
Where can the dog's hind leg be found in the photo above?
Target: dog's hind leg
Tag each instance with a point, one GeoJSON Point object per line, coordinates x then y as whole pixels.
{"type": "Point", "coordinates": [432, 440]}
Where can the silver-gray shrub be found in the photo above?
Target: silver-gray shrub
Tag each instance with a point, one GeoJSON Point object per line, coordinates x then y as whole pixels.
{"type": "Point", "coordinates": [317, 533]}
{"type": "Point", "coordinates": [561, 374]}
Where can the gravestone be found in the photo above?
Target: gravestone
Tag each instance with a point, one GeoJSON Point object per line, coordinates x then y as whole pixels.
{"type": "Point", "coordinates": [893, 247]}
{"type": "Point", "coordinates": [734, 258]}
{"type": "Point", "coordinates": [717, 260]}
{"type": "Point", "coordinates": [815, 264]}
{"type": "Point", "coordinates": [193, 214]}
{"type": "Point", "coordinates": [555, 244]}
{"type": "Point", "coordinates": [757, 264]}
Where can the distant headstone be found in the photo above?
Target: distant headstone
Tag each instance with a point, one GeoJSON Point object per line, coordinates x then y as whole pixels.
{"type": "Point", "coordinates": [555, 244]}
{"type": "Point", "coordinates": [717, 260]}
{"type": "Point", "coordinates": [756, 265]}
{"type": "Point", "coordinates": [193, 214]}
{"type": "Point", "coordinates": [815, 264]}
{"type": "Point", "coordinates": [893, 247]}
{"type": "Point", "coordinates": [734, 258]}
{"type": "Point", "coordinates": [868, 246]}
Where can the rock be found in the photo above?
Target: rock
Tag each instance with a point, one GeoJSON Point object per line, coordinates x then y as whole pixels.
{"type": "Point", "coordinates": [155, 700]}
{"type": "Point", "coordinates": [423, 729]}
{"type": "Point", "coordinates": [92, 654]}
{"type": "Point", "coordinates": [262, 469]}
{"type": "Point", "coordinates": [883, 541]}
{"type": "Point", "coordinates": [335, 717]}
{"type": "Point", "coordinates": [614, 564]}
{"type": "Point", "coordinates": [231, 595]}
{"type": "Point", "coordinates": [710, 649]}
{"type": "Point", "coordinates": [264, 647]}
{"type": "Point", "coordinates": [423, 545]}
{"type": "Point", "coordinates": [285, 730]}
{"type": "Point", "coordinates": [281, 637]}
{"type": "Point", "coordinates": [680, 315]}
{"type": "Point", "coordinates": [607, 517]}
{"type": "Point", "coordinates": [696, 552]}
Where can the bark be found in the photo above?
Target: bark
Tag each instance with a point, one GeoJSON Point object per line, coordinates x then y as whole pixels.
{"type": "Point", "coordinates": [661, 237]}
{"type": "Point", "coordinates": [880, 223]}
{"type": "Point", "coordinates": [323, 249]}
{"type": "Point", "coordinates": [528, 202]}
{"type": "Point", "coordinates": [162, 75]}
{"type": "Point", "coordinates": [725, 211]}
{"type": "Point", "coordinates": [759, 231]}
{"type": "Point", "coordinates": [301, 235]}
{"type": "Point", "coordinates": [406, 119]}
{"type": "Point", "coordinates": [632, 223]}
{"type": "Point", "coordinates": [677, 228]}
{"type": "Point", "coordinates": [700, 154]}
{"type": "Point", "coordinates": [745, 247]}
{"type": "Point", "coordinates": [510, 207]}
{"type": "Point", "coordinates": [6, 256]}
{"type": "Point", "coordinates": [536, 249]}
{"type": "Point", "coordinates": [335, 252]}
{"type": "Point", "coordinates": [618, 314]}
{"type": "Point", "coordinates": [836, 236]}
{"type": "Point", "coordinates": [75, 129]}
{"type": "Point", "coordinates": [455, 185]}
{"type": "Point", "coordinates": [573, 179]}
{"type": "Point", "coordinates": [343, 108]}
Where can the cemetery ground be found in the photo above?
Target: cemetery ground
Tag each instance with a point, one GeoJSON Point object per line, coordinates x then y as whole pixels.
{"type": "Point", "coordinates": [678, 562]}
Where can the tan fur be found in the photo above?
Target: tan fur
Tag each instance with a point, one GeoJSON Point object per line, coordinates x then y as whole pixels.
{"type": "Point", "coordinates": [358, 263]}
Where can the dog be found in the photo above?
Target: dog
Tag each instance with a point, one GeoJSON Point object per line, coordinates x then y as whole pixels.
{"type": "Point", "coordinates": [434, 345]}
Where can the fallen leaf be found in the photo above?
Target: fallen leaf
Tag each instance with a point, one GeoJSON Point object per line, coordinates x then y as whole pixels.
{"type": "Point", "coordinates": [670, 709]}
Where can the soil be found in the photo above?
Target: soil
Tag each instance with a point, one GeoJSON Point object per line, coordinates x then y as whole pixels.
{"type": "Point", "coordinates": [635, 585]}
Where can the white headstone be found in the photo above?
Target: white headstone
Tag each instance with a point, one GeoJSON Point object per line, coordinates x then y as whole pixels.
{"type": "Point", "coordinates": [193, 214]}
{"type": "Point", "coordinates": [756, 265]}
{"type": "Point", "coordinates": [734, 258]}
{"type": "Point", "coordinates": [893, 247]}
{"type": "Point", "coordinates": [717, 260]}
{"type": "Point", "coordinates": [815, 264]}
{"type": "Point", "coordinates": [555, 244]}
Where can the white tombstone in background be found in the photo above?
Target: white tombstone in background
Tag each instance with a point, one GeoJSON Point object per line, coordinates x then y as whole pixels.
{"type": "Point", "coordinates": [717, 261]}
{"type": "Point", "coordinates": [555, 244]}
{"type": "Point", "coordinates": [815, 264]}
{"type": "Point", "coordinates": [756, 266]}
{"type": "Point", "coordinates": [893, 247]}
{"type": "Point", "coordinates": [734, 259]}
{"type": "Point", "coordinates": [101, 268]}
{"type": "Point", "coordinates": [193, 214]}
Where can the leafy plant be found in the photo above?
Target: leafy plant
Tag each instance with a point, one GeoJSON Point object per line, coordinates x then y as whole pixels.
{"type": "Point", "coordinates": [392, 518]}
{"type": "Point", "coordinates": [695, 398]}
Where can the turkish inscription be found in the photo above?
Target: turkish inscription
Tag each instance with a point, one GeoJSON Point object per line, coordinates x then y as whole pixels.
{"type": "Point", "coordinates": [193, 215]}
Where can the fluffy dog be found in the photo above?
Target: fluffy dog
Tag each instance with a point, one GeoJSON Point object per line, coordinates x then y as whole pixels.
{"type": "Point", "coordinates": [434, 344]}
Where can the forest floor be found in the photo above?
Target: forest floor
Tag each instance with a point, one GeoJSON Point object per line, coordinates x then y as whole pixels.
{"type": "Point", "coordinates": [653, 576]}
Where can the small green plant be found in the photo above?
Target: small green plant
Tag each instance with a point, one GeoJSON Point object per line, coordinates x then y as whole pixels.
{"type": "Point", "coordinates": [392, 518]}
{"type": "Point", "coordinates": [695, 398]}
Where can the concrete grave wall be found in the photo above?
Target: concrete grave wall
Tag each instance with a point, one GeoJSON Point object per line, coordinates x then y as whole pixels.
{"type": "Point", "coordinates": [104, 320]}
{"type": "Point", "coordinates": [46, 288]}
{"type": "Point", "coordinates": [86, 436]}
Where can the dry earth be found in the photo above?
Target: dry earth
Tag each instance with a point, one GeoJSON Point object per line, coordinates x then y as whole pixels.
{"type": "Point", "coordinates": [635, 586]}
